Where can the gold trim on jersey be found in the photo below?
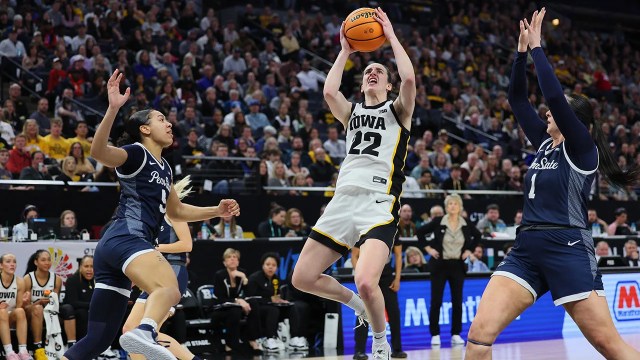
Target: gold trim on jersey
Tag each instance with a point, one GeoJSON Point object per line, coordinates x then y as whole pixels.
{"type": "Point", "coordinates": [395, 149]}
{"type": "Point", "coordinates": [330, 237]}
{"type": "Point", "coordinates": [386, 222]}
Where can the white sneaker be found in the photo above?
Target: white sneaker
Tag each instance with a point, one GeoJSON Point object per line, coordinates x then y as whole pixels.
{"type": "Point", "coordinates": [298, 343]}
{"type": "Point", "coordinates": [381, 352]}
{"type": "Point", "coordinates": [280, 343]}
{"type": "Point", "coordinates": [271, 345]}
{"type": "Point", "coordinates": [456, 340]}
{"type": "Point", "coordinates": [139, 341]}
{"type": "Point", "coordinates": [435, 340]}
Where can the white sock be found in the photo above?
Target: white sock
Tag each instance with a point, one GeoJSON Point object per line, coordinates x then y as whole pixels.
{"type": "Point", "coordinates": [22, 348]}
{"type": "Point", "coordinates": [150, 321]}
{"type": "Point", "coordinates": [379, 337]}
{"type": "Point", "coordinates": [356, 304]}
{"type": "Point", "coordinates": [8, 349]}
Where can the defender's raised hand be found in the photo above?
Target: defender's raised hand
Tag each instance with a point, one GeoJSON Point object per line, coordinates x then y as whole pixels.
{"type": "Point", "coordinates": [113, 89]}
{"type": "Point", "coordinates": [523, 39]}
{"type": "Point", "coordinates": [535, 28]}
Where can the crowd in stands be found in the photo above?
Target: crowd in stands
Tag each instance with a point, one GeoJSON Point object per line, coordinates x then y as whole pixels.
{"type": "Point", "coordinates": [245, 86]}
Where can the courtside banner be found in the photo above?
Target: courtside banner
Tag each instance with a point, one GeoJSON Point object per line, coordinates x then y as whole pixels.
{"type": "Point", "coordinates": [542, 321]}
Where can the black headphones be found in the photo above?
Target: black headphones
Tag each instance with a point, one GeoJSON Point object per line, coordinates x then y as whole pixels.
{"type": "Point", "coordinates": [26, 211]}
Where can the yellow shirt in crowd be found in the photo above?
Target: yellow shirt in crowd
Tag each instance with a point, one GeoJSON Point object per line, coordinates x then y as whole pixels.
{"type": "Point", "coordinates": [86, 146]}
{"type": "Point", "coordinates": [55, 148]}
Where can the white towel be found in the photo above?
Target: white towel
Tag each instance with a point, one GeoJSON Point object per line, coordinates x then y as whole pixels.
{"type": "Point", "coordinates": [54, 348]}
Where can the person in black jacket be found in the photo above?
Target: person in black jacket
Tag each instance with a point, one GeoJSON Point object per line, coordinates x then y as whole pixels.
{"type": "Point", "coordinates": [75, 308]}
{"type": "Point", "coordinates": [274, 226]}
{"type": "Point", "coordinates": [229, 284]}
{"type": "Point", "coordinates": [454, 240]}
{"type": "Point", "coordinates": [264, 289]}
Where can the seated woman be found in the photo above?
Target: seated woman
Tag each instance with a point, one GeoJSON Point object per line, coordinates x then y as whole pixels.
{"type": "Point", "coordinates": [12, 314]}
{"type": "Point", "coordinates": [227, 228]}
{"type": "Point", "coordinates": [69, 174]}
{"type": "Point", "coordinates": [229, 284]}
{"type": "Point", "coordinates": [39, 282]}
{"type": "Point", "coordinates": [69, 226]}
{"type": "Point", "coordinates": [84, 167]}
{"type": "Point", "coordinates": [264, 290]}
{"type": "Point", "coordinates": [414, 260]}
{"type": "Point", "coordinates": [295, 222]}
{"type": "Point", "coordinates": [78, 291]}
{"type": "Point", "coordinates": [274, 226]}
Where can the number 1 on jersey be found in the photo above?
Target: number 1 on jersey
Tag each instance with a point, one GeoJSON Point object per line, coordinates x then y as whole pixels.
{"type": "Point", "coordinates": [532, 191]}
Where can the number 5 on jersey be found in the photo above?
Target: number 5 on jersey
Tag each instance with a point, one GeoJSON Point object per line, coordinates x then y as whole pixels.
{"type": "Point", "coordinates": [373, 138]}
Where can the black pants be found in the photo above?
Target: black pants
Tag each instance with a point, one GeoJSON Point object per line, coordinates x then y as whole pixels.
{"type": "Point", "coordinates": [298, 316]}
{"type": "Point", "coordinates": [262, 320]}
{"type": "Point", "coordinates": [230, 317]}
{"type": "Point", "coordinates": [441, 272]}
{"type": "Point", "coordinates": [393, 312]}
{"type": "Point", "coordinates": [68, 312]}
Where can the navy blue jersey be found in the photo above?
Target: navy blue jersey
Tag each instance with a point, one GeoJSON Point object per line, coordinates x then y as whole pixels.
{"type": "Point", "coordinates": [145, 184]}
{"type": "Point", "coordinates": [168, 236]}
{"type": "Point", "coordinates": [556, 190]}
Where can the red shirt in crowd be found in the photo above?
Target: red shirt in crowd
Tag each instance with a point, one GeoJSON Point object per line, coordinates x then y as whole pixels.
{"type": "Point", "coordinates": [18, 160]}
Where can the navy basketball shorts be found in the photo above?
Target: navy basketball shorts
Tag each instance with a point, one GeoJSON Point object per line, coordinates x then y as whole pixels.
{"type": "Point", "coordinates": [561, 261]}
{"type": "Point", "coordinates": [183, 280]}
{"type": "Point", "coordinates": [355, 215]}
{"type": "Point", "coordinates": [115, 251]}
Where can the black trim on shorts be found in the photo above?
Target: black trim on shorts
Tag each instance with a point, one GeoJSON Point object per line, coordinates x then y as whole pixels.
{"type": "Point", "coordinates": [326, 241]}
{"type": "Point", "coordinates": [387, 232]}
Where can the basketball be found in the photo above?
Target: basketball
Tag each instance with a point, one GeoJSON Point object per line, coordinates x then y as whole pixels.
{"type": "Point", "coordinates": [363, 32]}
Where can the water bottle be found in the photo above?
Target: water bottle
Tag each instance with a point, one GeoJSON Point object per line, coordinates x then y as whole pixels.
{"type": "Point", "coordinates": [204, 231]}
{"type": "Point", "coordinates": [595, 229]}
{"type": "Point", "coordinates": [633, 227]}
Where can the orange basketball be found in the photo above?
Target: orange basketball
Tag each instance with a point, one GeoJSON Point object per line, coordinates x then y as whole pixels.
{"type": "Point", "coordinates": [362, 30]}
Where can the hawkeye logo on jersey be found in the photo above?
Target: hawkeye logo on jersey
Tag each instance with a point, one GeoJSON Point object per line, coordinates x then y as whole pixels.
{"type": "Point", "coordinates": [626, 301]}
{"type": "Point", "coordinates": [373, 122]}
{"type": "Point", "coordinates": [155, 176]}
{"type": "Point", "coordinates": [544, 164]}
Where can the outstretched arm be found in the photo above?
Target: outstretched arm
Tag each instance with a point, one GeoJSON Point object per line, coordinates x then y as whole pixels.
{"type": "Point", "coordinates": [406, 101]}
{"type": "Point", "coordinates": [100, 149]}
{"type": "Point", "coordinates": [339, 105]}
{"type": "Point", "coordinates": [179, 212]}
{"type": "Point", "coordinates": [580, 146]}
{"type": "Point", "coordinates": [534, 128]}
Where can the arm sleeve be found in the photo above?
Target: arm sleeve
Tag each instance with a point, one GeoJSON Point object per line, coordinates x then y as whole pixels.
{"type": "Point", "coordinates": [534, 128]}
{"type": "Point", "coordinates": [136, 156]}
{"type": "Point", "coordinates": [578, 142]}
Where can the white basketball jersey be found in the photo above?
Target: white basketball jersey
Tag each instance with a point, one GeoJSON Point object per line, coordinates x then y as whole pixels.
{"type": "Point", "coordinates": [377, 148]}
{"type": "Point", "coordinates": [37, 290]}
{"type": "Point", "coordinates": [8, 294]}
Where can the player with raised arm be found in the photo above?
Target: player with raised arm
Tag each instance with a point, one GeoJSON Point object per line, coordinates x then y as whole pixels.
{"type": "Point", "coordinates": [126, 253]}
{"type": "Point", "coordinates": [554, 249]}
{"type": "Point", "coordinates": [365, 207]}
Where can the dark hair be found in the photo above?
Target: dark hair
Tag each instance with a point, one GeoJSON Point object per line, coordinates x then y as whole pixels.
{"type": "Point", "coordinates": [273, 255]}
{"type": "Point", "coordinates": [132, 127]}
{"type": "Point", "coordinates": [608, 165]}
{"type": "Point", "coordinates": [275, 210]}
{"type": "Point", "coordinates": [31, 266]}
{"type": "Point", "coordinates": [493, 207]}
{"type": "Point", "coordinates": [33, 156]}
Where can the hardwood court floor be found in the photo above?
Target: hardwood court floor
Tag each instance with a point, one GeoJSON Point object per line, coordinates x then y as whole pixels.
{"type": "Point", "coordinates": [561, 349]}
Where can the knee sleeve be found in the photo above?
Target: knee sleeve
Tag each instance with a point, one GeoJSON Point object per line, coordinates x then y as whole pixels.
{"type": "Point", "coordinates": [67, 312]}
{"type": "Point", "coordinates": [105, 317]}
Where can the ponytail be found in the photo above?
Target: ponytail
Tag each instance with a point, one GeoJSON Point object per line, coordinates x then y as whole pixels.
{"type": "Point", "coordinates": [132, 127]}
{"type": "Point", "coordinates": [608, 165]}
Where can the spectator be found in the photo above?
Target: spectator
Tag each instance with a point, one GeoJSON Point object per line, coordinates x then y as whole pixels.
{"type": "Point", "coordinates": [597, 225]}
{"type": "Point", "coordinates": [256, 119]}
{"type": "Point", "coordinates": [309, 79]}
{"type": "Point", "coordinates": [234, 63]}
{"type": "Point", "coordinates": [337, 148]}
{"type": "Point", "coordinates": [68, 169]}
{"type": "Point", "coordinates": [406, 227]}
{"type": "Point", "coordinates": [69, 226]}
{"type": "Point", "coordinates": [38, 170]}
{"type": "Point", "coordinates": [491, 221]}
{"type": "Point", "coordinates": [321, 171]}
{"type": "Point", "coordinates": [192, 148]}
{"type": "Point", "coordinates": [15, 95]}
{"type": "Point", "coordinates": [294, 221]}
{"type": "Point", "coordinates": [454, 181]}
{"type": "Point", "coordinates": [631, 253]}
{"type": "Point", "coordinates": [228, 228]}
{"type": "Point", "coordinates": [75, 307]}
{"type": "Point", "coordinates": [41, 116]}
{"type": "Point", "coordinates": [414, 260]}
{"type": "Point", "coordinates": [422, 165]}
{"type": "Point", "coordinates": [191, 122]}
{"type": "Point", "coordinates": [274, 226]}
{"type": "Point", "coordinates": [290, 45]}
{"type": "Point", "coordinates": [224, 170]}
{"type": "Point", "coordinates": [12, 313]}
{"type": "Point", "coordinates": [68, 111]}
{"type": "Point", "coordinates": [279, 178]}
{"type": "Point", "coordinates": [35, 142]}
{"type": "Point", "coordinates": [7, 135]}
{"type": "Point", "coordinates": [84, 167]}
{"type": "Point", "coordinates": [4, 173]}
{"type": "Point", "coordinates": [54, 144]}
{"type": "Point", "coordinates": [56, 76]}
{"type": "Point", "coordinates": [515, 180]}
{"type": "Point", "coordinates": [475, 263]}
{"type": "Point", "coordinates": [453, 242]}
{"type": "Point", "coordinates": [602, 249]}
{"type": "Point", "coordinates": [12, 47]}
{"type": "Point", "coordinates": [619, 226]}
{"type": "Point", "coordinates": [229, 287]}
{"type": "Point", "coordinates": [20, 231]}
